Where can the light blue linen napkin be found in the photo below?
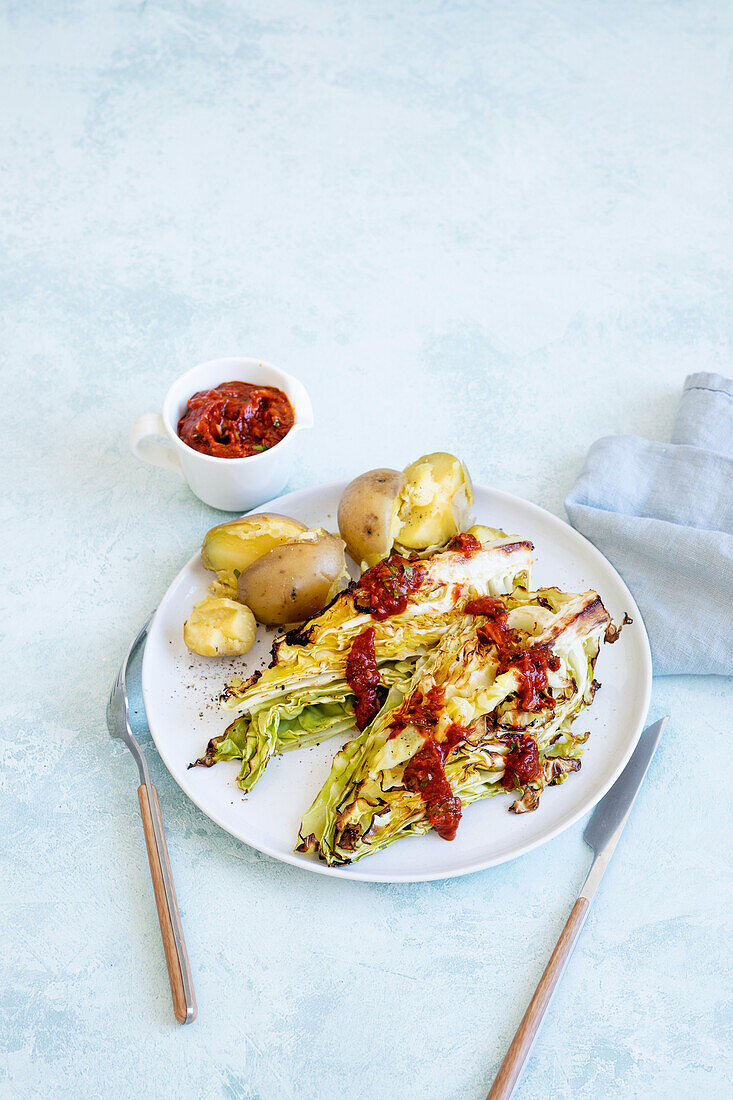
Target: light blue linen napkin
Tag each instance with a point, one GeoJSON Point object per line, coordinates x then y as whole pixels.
{"type": "Point", "coordinates": [663, 514]}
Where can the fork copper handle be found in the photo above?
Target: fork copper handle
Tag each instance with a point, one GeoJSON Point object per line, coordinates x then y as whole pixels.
{"type": "Point", "coordinates": [170, 921]}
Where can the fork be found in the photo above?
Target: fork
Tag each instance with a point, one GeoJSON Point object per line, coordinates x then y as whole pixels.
{"type": "Point", "coordinates": [174, 945]}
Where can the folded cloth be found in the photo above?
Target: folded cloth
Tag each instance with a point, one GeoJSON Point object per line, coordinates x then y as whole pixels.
{"type": "Point", "coordinates": [662, 513]}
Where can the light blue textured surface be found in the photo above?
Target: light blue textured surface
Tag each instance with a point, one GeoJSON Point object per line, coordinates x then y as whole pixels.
{"type": "Point", "coordinates": [496, 228]}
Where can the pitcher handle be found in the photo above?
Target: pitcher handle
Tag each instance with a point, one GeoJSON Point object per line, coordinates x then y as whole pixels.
{"type": "Point", "coordinates": [149, 441]}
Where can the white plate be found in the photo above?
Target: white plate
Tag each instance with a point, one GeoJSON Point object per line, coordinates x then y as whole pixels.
{"type": "Point", "coordinates": [180, 691]}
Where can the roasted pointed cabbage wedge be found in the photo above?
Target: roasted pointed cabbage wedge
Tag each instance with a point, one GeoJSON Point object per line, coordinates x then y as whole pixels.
{"type": "Point", "coordinates": [303, 697]}
{"type": "Point", "coordinates": [489, 709]}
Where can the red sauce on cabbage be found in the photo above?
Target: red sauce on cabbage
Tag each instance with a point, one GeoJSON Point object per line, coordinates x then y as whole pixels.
{"type": "Point", "coordinates": [522, 763]}
{"type": "Point", "coordinates": [425, 772]}
{"type": "Point", "coordinates": [467, 544]}
{"type": "Point", "coordinates": [425, 775]}
{"type": "Point", "coordinates": [418, 710]}
{"type": "Point", "coordinates": [530, 662]}
{"type": "Point", "coordinates": [385, 589]}
{"type": "Point", "coordinates": [532, 665]}
{"type": "Point", "coordinates": [362, 677]}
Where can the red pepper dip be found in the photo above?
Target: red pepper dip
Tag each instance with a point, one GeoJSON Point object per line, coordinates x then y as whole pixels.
{"type": "Point", "coordinates": [362, 677]}
{"type": "Point", "coordinates": [530, 662]}
{"type": "Point", "coordinates": [385, 589]}
{"type": "Point", "coordinates": [236, 420]}
{"type": "Point", "coordinates": [522, 763]}
{"type": "Point", "coordinates": [425, 775]}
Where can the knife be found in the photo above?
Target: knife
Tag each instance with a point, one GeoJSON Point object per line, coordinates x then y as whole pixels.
{"type": "Point", "coordinates": [601, 834]}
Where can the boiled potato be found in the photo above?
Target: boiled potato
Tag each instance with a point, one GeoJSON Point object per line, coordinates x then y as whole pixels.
{"type": "Point", "coordinates": [417, 510]}
{"type": "Point", "coordinates": [231, 547]}
{"type": "Point", "coordinates": [218, 627]}
{"type": "Point", "coordinates": [435, 503]}
{"type": "Point", "coordinates": [295, 580]}
{"type": "Point", "coordinates": [367, 514]}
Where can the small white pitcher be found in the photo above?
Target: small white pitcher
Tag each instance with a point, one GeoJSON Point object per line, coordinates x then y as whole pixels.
{"type": "Point", "coordinates": [231, 484]}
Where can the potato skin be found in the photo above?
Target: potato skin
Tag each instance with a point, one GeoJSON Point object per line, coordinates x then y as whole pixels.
{"type": "Point", "coordinates": [293, 581]}
{"type": "Point", "coordinates": [235, 545]}
{"type": "Point", "coordinates": [219, 627]}
{"type": "Point", "coordinates": [367, 512]}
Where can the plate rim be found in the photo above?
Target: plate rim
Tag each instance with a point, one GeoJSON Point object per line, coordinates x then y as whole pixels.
{"type": "Point", "coordinates": [354, 873]}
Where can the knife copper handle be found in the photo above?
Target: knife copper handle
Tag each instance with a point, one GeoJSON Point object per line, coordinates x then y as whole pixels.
{"type": "Point", "coordinates": [521, 1044]}
{"type": "Point", "coordinates": [601, 834]}
{"type": "Point", "coordinates": [174, 945]}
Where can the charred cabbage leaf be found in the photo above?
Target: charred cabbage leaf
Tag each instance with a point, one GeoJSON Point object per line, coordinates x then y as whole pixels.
{"type": "Point", "coordinates": [303, 697]}
{"type": "Point", "coordinates": [466, 726]}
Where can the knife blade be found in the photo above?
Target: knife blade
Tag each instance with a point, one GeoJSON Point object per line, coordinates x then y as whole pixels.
{"type": "Point", "coordinates": [607, 821]}
{"type": "Point", "coordinates": [601, 834]}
